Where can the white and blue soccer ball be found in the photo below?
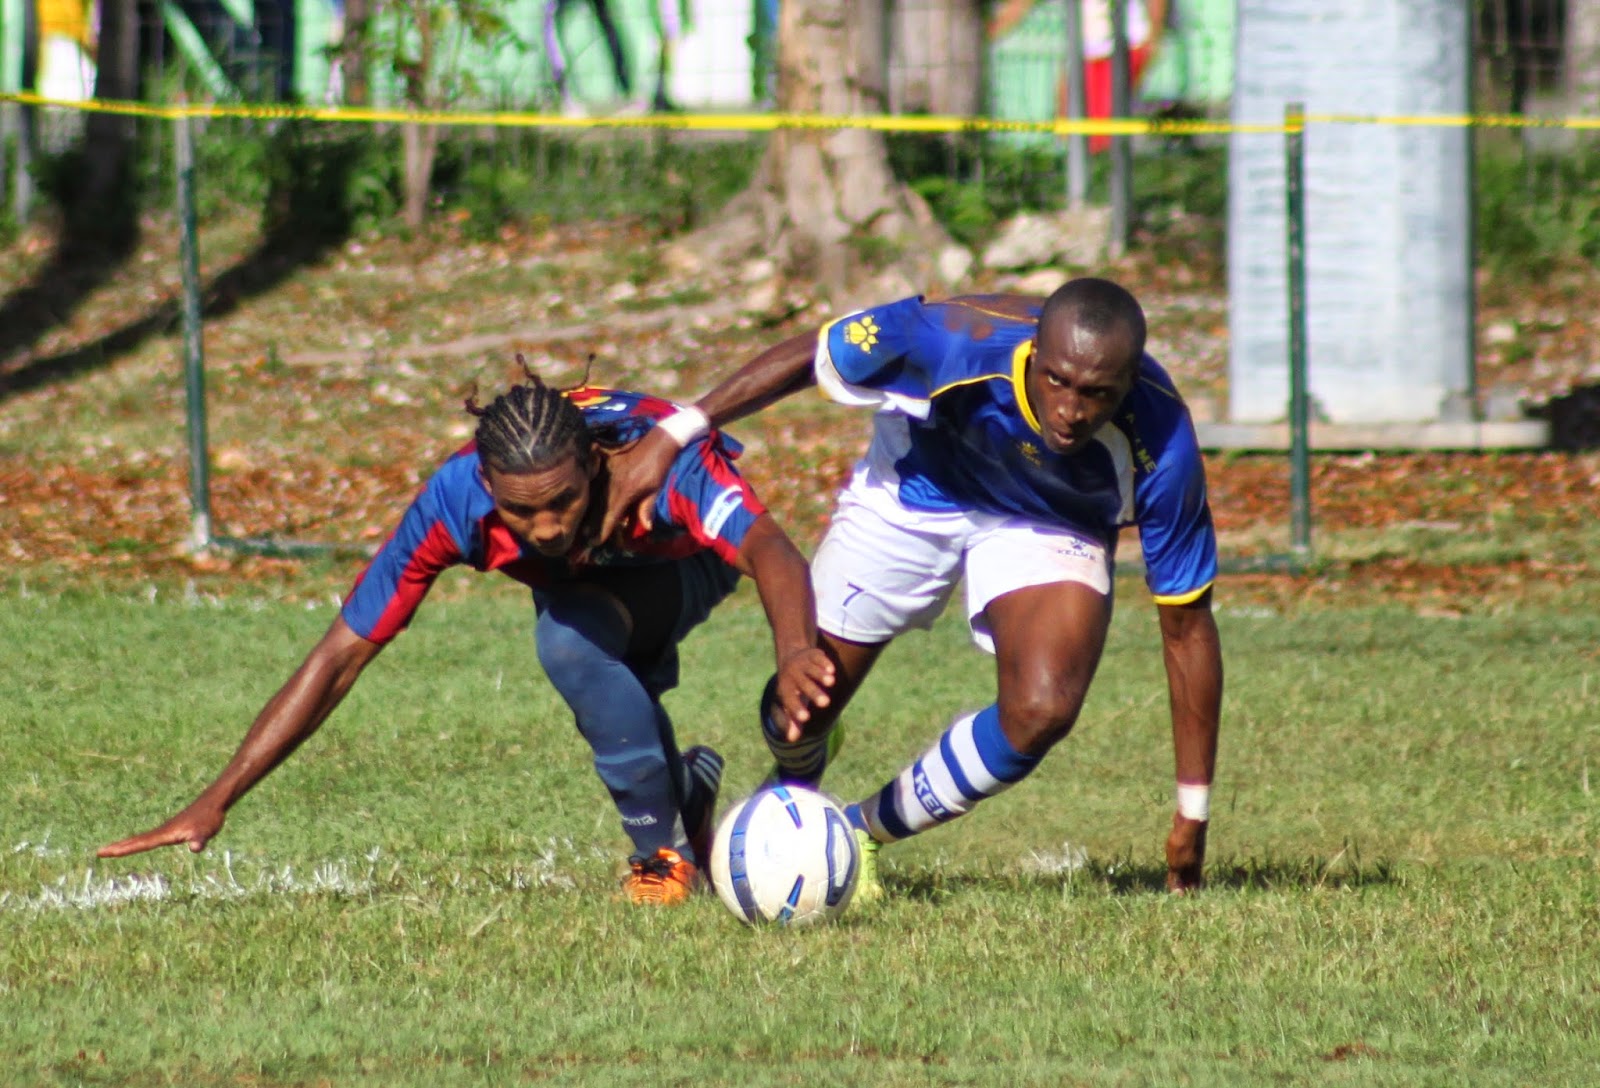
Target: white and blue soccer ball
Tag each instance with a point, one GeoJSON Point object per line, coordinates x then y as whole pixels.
{"type": "Point", "coordinates": [785, 854]}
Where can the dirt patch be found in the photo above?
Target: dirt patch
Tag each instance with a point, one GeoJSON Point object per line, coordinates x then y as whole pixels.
{"type": "Point", "coordinates": [327, 409]}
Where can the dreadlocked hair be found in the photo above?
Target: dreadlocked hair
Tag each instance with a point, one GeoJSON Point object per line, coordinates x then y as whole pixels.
{"type": "Point", "coordinates": [530, 427]}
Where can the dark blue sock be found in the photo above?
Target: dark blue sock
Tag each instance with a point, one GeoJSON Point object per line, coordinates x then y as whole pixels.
{"type": "Point", "coordinates": [802, 760]}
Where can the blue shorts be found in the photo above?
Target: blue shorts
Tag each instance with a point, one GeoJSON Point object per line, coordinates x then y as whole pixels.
{"type": "Point", "coordinates": [665, 602]}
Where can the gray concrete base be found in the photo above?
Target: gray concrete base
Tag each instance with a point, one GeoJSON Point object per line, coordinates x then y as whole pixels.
{"type": "Point", "coordinates": [1524, 434]}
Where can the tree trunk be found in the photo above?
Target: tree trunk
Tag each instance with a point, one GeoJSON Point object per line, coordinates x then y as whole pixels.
{"type": "Point", "coordinates": [824, 203]}
{"type": "Point", "coordinates": [104, 208]}
{"type": "Point", "coordinates": [421, 144]}
{"type": "Point", "coordinates": [358, 15]}
{"type": "Point", "coordinates": [936, 57]}
{"type": "Point", "coordinates": [420, 141]}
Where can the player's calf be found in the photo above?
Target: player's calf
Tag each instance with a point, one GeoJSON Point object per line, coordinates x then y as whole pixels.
{"type": "Point", "coordinates": [971, 761]}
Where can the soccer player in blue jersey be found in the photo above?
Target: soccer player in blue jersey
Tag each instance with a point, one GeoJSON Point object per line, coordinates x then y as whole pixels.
{"type": "Point", "coordinates": [526, 497]}
{"type": "Point", "coordinates": [1013, 438]}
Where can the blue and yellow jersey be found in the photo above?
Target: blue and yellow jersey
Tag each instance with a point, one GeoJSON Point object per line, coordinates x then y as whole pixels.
{"type": "Point", "coordinates": [703, 505]}
{"type": "Point", "coordinates": [954, 373]}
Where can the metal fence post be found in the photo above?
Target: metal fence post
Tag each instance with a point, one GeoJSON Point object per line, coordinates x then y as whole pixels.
{"type": "Point", "coordinates": [1299, 399]}
{"type": "Point", "coordinates": [27, 138]}
{"type": "Point", "coordinates": [1072, 76]}
{"type": "Point", "coordinates": [5, 150]}
{"type": "Point", "coordinates": [1121, 146]}
{"type": "Point", "coordinates": [25, 118]}
{"type": "Point", "coordinates": [193, 348]}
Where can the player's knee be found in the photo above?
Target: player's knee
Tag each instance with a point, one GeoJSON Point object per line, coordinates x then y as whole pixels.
{"type": "Point", "coordinates": [628, 768]}
{"type": "Point", "coordinates": [568, 652]}
{"type": "Point", "coordinates": [1038, 716]}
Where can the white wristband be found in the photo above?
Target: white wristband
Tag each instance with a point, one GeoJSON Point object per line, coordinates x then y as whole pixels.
{"type": "Point", "coordinates": [686, 425]}
{"type": "Point", "coordinates": [1194, 801]}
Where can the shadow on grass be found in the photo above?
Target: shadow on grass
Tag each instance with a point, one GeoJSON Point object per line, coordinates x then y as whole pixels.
{"type": "Point", "coordinates": [96, 239]}
{"type": "Point", "coordinates": [1123, 877]}
{"type": "Point", "coordinates": [306, 216]}
{"type": "Point", "coordinates": [264, 268]}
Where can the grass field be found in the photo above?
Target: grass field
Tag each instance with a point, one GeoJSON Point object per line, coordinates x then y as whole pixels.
{"type": "Point", "coordinates": [1404, 869]}
{"type": "Point", "coordinates": [1405, 864]}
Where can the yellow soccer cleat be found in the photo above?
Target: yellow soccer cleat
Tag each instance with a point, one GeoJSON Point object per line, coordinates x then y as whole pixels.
{"type": "Point", "coordinates": [868, 888]}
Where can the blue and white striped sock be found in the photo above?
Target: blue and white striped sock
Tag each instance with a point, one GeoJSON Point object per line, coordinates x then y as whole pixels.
{"type": "Point", "coordinates": [973, 760]}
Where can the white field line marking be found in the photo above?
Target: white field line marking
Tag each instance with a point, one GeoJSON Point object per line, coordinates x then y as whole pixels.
{"type": "Point", "coordinates": [1069, 859]}
{"type": "Point", "coordinates": [40, 849]}
{"type": "Point", "coordinates": [551, 866]}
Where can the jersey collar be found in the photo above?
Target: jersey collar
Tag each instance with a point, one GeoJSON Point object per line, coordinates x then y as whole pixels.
{"type": "Point", "coordinates": [1019, 385]}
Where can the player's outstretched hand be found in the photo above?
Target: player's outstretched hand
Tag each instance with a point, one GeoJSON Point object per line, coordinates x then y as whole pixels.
{"type": "Point", "coordinates": [637, 473]}
{"type": "Point", "coordinates": [195, 826]}
{"type": "Point", "coordinates": [803, 682]}
{"type": "Point", "coordinates": [1186, 854]}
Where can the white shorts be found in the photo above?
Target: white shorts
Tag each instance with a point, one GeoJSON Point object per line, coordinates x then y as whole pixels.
{"type": "Point", "coordinates": [883, 568]}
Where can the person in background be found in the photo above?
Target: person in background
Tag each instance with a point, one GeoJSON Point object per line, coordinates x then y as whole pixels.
{"type": "Point", "coordinates": [669, 17]}
{"type": "Point", "coordinates": [560, 69]}
{"type": "Point", "coordinates": [1144, 27]}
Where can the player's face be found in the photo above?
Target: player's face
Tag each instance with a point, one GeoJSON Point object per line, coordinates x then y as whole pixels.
{"type": "Point", "coordinates": [1075, 381]}
{"type": "Point", "coordinates": [544, 508]}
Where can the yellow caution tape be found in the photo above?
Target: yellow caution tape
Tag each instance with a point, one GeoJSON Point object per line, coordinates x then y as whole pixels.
{"type": "Point", "coordinates": [768, 122]}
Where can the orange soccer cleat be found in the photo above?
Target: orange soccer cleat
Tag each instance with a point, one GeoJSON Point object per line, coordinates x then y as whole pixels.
{"type": "Point", "coordinates": [664, 880]}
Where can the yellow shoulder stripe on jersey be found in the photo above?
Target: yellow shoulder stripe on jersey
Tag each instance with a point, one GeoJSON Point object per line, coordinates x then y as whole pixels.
{"type": "Point", "coordinates": [967, 304]}
{"type": "Point", "coordinates": [1019, 384]}
{"type": "Point", "coordinates": [822, 351]}
{"type": "Point", "coordinates": [822, 333]}
{"type": "Point", "coordinates": [1173, 393]}
{"type": "Point", "coordinates": [965, 381]}
{"type": "Point", "coordinates": [1183, 598]}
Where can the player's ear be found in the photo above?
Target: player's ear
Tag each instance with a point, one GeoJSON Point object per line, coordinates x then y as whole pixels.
{"type": "Point", "coordinates": [596, 458]}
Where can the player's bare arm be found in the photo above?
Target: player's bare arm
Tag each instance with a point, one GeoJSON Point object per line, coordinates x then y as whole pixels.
{"type": "Point", "coordinates": [637, 473]}
{"type": "Point", "coordinates": [782, 578]}
{"type": "Point", "coordinates": [293, 714]}
{"type": "Point", "coordinates": [1192, 650]}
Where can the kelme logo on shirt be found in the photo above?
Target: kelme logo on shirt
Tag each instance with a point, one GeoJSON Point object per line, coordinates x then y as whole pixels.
{"type": "Point", "coordinates": [862, 333]}
{"type": "Point", "coordinates": [724, 506]}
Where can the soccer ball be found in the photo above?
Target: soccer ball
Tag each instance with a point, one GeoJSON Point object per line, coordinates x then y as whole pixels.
{"type": "Point", "coordinates": [785, 854]}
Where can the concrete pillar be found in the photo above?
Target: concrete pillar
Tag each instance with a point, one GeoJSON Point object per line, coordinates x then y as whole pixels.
{"type": "Point", "coordinates": [1388, 211]}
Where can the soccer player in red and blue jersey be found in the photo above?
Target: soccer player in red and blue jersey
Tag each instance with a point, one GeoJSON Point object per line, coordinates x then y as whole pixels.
{"type": "Point", "coordinates": [1013, 438]}
{"type": "Point", "coordinates": [527, 498]}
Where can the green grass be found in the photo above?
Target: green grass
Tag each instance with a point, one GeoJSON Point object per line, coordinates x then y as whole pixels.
{"type": "Point", "coordinates": [1403, 865]}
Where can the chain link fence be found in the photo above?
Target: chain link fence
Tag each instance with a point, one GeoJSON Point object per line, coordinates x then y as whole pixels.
{"type": "Point", "coordinates": [1003, 61]}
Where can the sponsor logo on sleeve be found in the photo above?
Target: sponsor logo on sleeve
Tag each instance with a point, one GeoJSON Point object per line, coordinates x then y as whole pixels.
{"type": "Point", "coordinates": [721, 509]}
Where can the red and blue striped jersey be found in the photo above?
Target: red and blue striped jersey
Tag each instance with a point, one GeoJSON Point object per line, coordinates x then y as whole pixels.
{"type": "Point", "coordinates": [704, 504]}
